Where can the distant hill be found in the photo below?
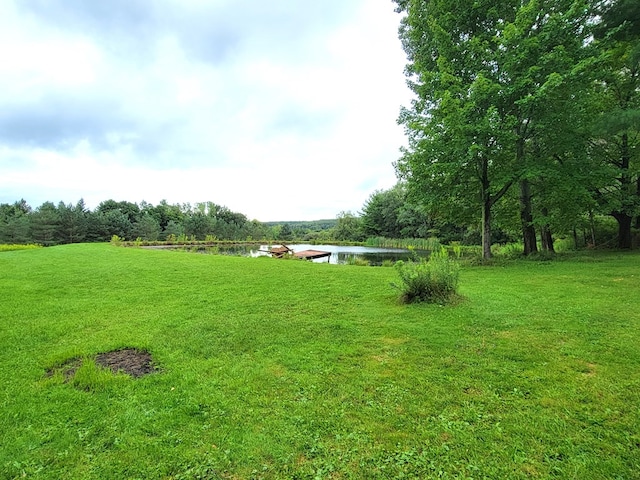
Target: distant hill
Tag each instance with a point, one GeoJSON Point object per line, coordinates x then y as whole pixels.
{"type": "Point", "coordinates": [314, 225]}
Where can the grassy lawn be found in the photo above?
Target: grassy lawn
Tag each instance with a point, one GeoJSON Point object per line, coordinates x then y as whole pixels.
{"type": "Point", "coordinates": [289, 369]}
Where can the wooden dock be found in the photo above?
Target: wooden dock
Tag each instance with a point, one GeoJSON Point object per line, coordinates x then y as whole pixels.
{"type": "Point", "coordinates": [281, 251]}
{"type": "Point", "coordinates": [312, 254]}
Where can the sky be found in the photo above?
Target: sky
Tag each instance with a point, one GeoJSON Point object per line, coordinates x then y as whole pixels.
{"type": "Point", "coordinates": [280, 110]}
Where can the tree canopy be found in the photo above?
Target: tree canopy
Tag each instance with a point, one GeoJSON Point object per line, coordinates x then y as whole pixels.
{"type": "Point", "coordinates": [51, 224]}
{"type": "Point", "coordinates": [506, 95]}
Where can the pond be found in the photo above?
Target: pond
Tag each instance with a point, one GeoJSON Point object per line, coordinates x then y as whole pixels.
{"type": "Point", "coordinates": [339, 253]}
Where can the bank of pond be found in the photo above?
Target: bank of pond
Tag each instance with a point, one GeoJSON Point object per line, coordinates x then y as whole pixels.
{"type": "Point", "coordinates": [337, 254]}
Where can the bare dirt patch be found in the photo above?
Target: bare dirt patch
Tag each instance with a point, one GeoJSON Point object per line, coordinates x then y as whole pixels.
{"type": "Point", "coordinates": [136, 363]}
{"type": "Point", "coordinates": [131, 361]}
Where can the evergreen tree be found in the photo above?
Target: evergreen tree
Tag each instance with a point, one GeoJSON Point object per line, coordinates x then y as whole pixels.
{"type": "Point", "coordinates": [45, 224]}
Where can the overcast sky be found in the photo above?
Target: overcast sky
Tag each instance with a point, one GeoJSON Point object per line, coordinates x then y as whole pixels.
{"type": "Point", "coordinates": [280, 110]}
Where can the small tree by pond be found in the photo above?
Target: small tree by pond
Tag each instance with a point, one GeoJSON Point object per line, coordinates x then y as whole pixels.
{"type": "Point", "coordinates": [432, 281]}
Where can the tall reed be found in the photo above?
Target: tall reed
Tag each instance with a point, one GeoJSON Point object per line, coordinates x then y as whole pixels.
{"type": "Point", "coordinates": [431, 244]}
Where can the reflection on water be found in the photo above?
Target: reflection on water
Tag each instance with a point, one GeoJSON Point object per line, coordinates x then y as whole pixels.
{"type": "Point", "coordinates": [339, 253]}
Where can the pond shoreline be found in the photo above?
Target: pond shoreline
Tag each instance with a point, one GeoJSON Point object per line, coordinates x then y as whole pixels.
{"type": "Point", "coordinates": [336, 254]}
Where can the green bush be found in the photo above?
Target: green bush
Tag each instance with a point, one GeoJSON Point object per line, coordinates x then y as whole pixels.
{"type": "Point", "coordinates": [433, 281]}
{"type": "Point", "coordinates": [457, 248]}
{"type": "Point", "coordinates": [13, 246]}
{"type": "Point", "coordinates": [508, 250]}
{"type": "Point", "coordinates": [562, 245]}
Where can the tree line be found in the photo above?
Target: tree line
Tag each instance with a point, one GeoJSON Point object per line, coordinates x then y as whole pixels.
{"type": "Point", "coordinates": [526, 115]}
{"type": "Point", "coordinates": [386, 214]}
{"type": "Point", "coordinates": [51, 224]}
{"type": "Point", "coordinates": [395, 214]}
{"type": "Point", "coordinates": [54, 224]}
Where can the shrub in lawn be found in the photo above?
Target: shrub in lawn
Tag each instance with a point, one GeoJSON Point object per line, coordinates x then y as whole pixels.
{"type": "Point", "coordinates": [457, 249]}
{"type": "Point", "coordinates": [434, 280]}
{"type": "Point", "coordinates": [561, 245]}
{"type": "Point", "coordinates": [509, 250]}
{"type": "Point", "coordinates": [13, 246]}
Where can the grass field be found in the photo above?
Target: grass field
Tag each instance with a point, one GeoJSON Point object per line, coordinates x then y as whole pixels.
{"type": "Point", "coordinates": [289, 369]}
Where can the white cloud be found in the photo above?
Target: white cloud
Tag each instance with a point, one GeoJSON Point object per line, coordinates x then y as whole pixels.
{"type": "Point", "coordinates": [289, 117]}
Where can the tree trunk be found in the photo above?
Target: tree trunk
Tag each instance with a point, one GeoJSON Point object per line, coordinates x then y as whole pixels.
{"type": "Point", "coordinates": [622, 217]}
{"type": "Point", "coordinates": [486, 227]}
{"type": "Point", "coordinates": [638, 195]}
{"type": "Point", "coordinates": [526, 218]}
{"type": "Point", "coordinates": [486, 209]}
{"type": "Point", "coordinates": [547, 239]}
{"type": "Point", "coordinates": [624, 229]}
{"type": "Point", "coordinates": [545, 234]}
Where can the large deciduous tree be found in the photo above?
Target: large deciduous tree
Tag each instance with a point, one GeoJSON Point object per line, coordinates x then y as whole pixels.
{"type": "Point", "coordinates": [348, 227]}
{"type": "Point", "coordinates": [456, 160]}
{"type": "Point", "coordinates": [391, 214]}
{"type": "Point", "coordinates": [486, 75]}
{"type": "Point", "coordinates": [380, 213]}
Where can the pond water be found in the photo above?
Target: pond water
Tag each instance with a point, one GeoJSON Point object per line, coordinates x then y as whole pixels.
{"type": "Point", "coordinates": [339, 253]}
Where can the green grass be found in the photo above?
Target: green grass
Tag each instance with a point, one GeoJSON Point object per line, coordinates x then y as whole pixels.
{"type": "Point", "coordinates": [271, 369]}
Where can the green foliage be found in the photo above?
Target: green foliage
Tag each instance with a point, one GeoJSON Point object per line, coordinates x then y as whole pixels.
{"type": "Point", "coordinates": [430, 244]}
{"type": "Point", "coordinates": [615, 99]}
{"type": "Point", "coordinates": [562, 245]}
{"type": "Point", "coordinates": [457, 249]}
{"type": "Point", "coordinates": [67, 223]}
{"type": "Point", "coordinates": [182, 238]}
{"type": "Point", "coordinates": [285, 233]}
{"type": "Point", "coordinates": [9, 247]}
{"type": "Point", "coordinates": [73, 224]}
{"type": "Point", "coordinates": [116, 240]}
{"type": "Point", "coordinates": [44, 224]}
{"type": "Point", "coordinates": [173, 230]}
{"type": "Point", "coordinates": [348, 227]}
{"type": "Point", "coordinates": [434, 280]}
{"type": "Point", "coordinates": [380, 213]}
{"type": "Point", "coordinates": [540, 95]}
{"type": "Point", "coordinates": [115, 222]}
{"type": "Point", "coordinates": [509, 250]}
{"type": "Point", "coordinates": [394, 214]}
{"type": "Point", "coordinates": [147, 227]}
